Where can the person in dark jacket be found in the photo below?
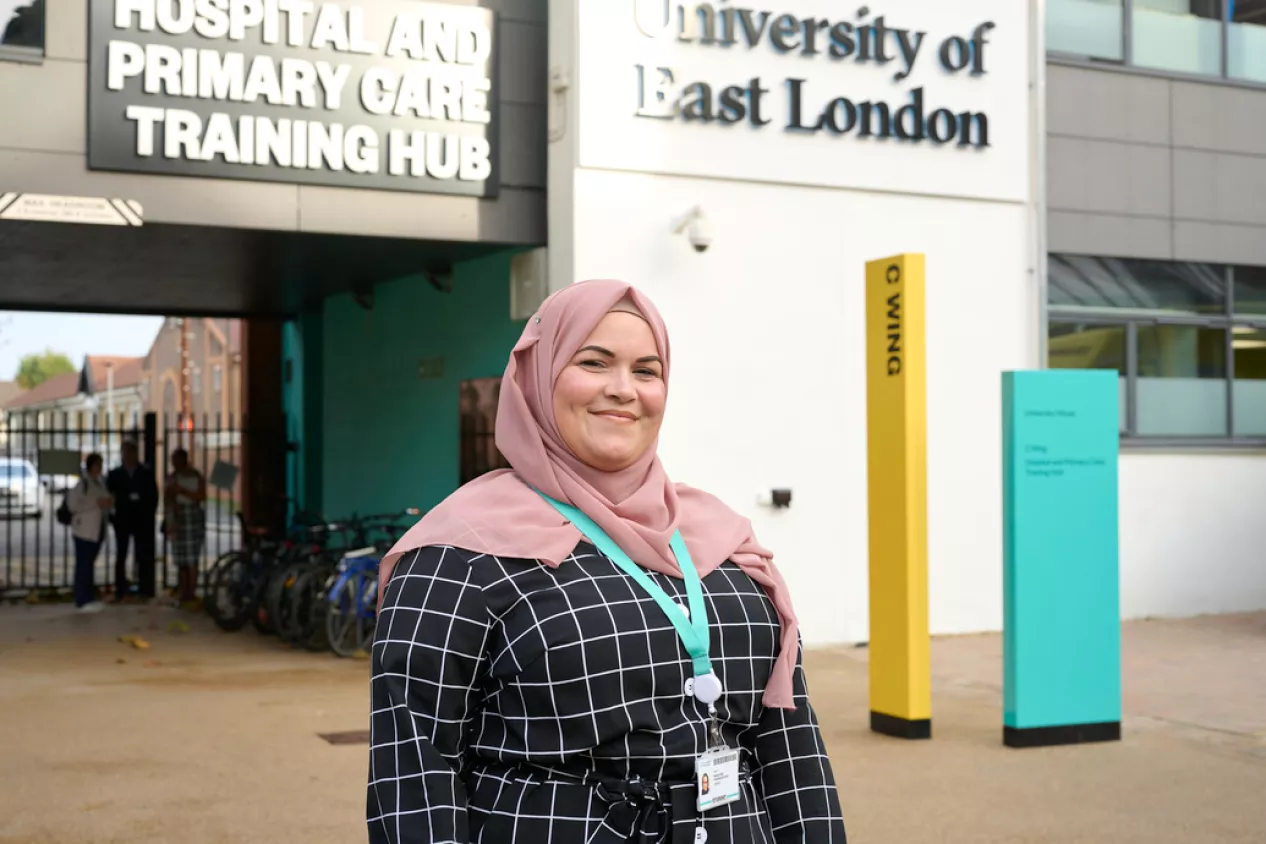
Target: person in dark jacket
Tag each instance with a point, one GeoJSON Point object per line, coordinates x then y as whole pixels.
{"type": "Point", "coordinates": [135, 503]}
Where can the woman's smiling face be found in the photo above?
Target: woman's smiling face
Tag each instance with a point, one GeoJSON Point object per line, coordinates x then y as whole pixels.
{"type": "Point", "coordinates": [609, 399]}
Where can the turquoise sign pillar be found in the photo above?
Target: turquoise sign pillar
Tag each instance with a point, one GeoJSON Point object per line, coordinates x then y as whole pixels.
{"type": "Point", "coordinates": [1061, 605]}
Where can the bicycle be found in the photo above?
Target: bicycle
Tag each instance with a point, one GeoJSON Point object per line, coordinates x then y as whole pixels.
{"type": "Point", "coordinates": [352, 612]}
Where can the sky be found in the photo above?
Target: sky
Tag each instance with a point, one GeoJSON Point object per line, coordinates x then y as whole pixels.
{"type": "Point", "coordinates": [74, 335]}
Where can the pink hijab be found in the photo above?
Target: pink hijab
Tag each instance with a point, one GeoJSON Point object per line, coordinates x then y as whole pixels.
{"type": "Point", "coordinates": [639, 507]}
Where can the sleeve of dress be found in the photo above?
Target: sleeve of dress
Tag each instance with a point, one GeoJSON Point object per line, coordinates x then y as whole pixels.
{"type": "Point", "coordinates": [794, 774]}
{"type": "Point", "coordinates": [427, 663]}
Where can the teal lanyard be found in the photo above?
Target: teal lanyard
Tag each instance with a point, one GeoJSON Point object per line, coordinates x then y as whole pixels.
{"type": "Point", "coordinates": [693, 633]}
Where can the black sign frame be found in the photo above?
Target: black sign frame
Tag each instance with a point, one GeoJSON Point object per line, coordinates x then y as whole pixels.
{"type": "Point", "coordinates": [112, 137]}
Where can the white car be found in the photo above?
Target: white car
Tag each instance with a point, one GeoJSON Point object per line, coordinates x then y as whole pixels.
{"type": "Point", "coordinates": [21, 493]}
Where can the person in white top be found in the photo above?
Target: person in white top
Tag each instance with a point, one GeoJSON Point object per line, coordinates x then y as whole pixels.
{"type": "Point", "coordinates": [89, 502]}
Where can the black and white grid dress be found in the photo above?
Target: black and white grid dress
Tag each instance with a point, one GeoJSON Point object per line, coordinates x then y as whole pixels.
{"type": "Point", "coordinates": [518, 704]}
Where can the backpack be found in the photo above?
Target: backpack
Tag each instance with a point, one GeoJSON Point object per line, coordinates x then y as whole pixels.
{"type": "Point", "coordinates": [64, 516]}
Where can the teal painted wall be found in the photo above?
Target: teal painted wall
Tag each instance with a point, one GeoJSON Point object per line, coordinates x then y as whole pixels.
{"type": "Point", "coordinates": [302, 354]}
{"type": "Point", "coordinates": [390, 437]}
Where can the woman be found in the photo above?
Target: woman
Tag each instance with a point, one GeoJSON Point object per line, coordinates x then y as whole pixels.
{"type": "Point", "coordinates": [185, 520]}
{"type": "Point", "coordinates": [528, 687]}
{"type": "Point", "coordinates": [88, 501]}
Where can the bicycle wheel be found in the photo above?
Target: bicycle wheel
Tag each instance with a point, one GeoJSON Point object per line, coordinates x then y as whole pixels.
{"type": "Point", "coordinates": [315, 607]}
{"type": "Point", "coordinates": [350, 616]}
{"type": "Point", "coordinates": [287, 607]}
{"type": "Point", "coordinates": [232, 594]}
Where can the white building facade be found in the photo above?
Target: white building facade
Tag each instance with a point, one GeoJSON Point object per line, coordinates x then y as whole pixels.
{"type": "Point", "coordinates": [814, 137]}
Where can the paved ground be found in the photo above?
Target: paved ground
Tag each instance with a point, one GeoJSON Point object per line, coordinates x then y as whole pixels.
{"type": "Point", "coordinates": [209, 737]}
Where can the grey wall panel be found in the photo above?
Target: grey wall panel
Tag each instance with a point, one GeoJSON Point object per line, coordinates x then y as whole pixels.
{"type": "Point", "coordinates": [516, 217]}
{"type": "Point", "coordinates": [1112, 106]}
{"type": "Point", "coordinates": [1220, 243]}
{"type": "Point", "coordinates": [38, 124]}
{"type": "Point", "coordinates": [523, 160]}
{"type": "Point", "coordinates": [1109, 234]}
{"type": "Point", "coordinates": [1151, 167]}
{"type": "Point", "coordinates": [66, 31]}
{"type": "Point", "coordinates": [1108, 177]}
{"type": "Point", "coordinates": [1219, 118]}
{"type": "Point", "coordinates": [524, 55]}
{"type": "Point", "coordinates": [168, 199]}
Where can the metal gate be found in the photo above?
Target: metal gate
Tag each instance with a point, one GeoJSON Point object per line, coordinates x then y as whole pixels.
{"type": "Point", "coordinates": [41, 460]}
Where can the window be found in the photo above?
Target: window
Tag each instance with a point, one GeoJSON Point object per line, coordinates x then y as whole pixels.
{"type": "Point", "coordinates": [21, 27]}
{"type": "Point", "coordinates": [1187, 340]}
{"type": "Point", "coordinates": [1246, 40]}
{"type": "Point", "coordinates": [1090, 28]}
{"type": "Point", "coordinates": [1223, 38]}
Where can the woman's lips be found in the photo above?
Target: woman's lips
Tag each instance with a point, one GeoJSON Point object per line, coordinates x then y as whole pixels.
{"type": "Point", "coordinates": [615, 415]}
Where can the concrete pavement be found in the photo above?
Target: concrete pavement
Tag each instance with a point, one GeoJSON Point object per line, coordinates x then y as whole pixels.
{"type": "Point", "coordinates": [212, 737]}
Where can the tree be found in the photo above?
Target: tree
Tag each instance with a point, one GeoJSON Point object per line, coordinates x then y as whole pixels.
{"type": "Point", "coordinates": [34, 370]}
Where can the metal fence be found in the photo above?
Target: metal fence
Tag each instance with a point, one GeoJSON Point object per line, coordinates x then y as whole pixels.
{"type": "Point", "coordinates": [41, 459]}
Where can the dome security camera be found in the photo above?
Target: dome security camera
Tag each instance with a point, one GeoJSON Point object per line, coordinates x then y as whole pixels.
{"type": "Point", "coordinates": [696, 228]}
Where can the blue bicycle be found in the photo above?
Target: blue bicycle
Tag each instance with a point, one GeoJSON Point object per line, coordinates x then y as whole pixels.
{"type": "Point", "coordinates": [353, 602]}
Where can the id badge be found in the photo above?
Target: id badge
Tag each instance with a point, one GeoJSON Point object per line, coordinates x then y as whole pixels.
{"type": "Point", "coordinates": [717, 778]}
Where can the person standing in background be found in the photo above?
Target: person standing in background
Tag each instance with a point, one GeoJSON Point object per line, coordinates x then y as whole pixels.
{"type": "Point", "coordinates": [88, 501]}
{"type": "Point", "coordinates": [186, 520]}
{"type": "Point", "coordinates": [135, 494]}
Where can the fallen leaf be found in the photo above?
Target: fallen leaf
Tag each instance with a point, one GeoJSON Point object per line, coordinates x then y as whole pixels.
{"type": "Point", "coordinates": [121, 661]}
{"type": "Point", "coordinates": [135, 641]}
{"type": "Point", "coordinates": [361, 655]}
{"type": "Point", "coordinates": [177, 627]}
{"type": "Point", "coordinates": [32, 598]}
{"type": "Point", "coordinates": [151, 663]}
{"type": "Point", "coordinates": [30, 638]}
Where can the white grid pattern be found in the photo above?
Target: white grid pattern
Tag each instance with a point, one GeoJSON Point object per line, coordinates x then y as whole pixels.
{"type": "Point", "coordinates": [512, 702]}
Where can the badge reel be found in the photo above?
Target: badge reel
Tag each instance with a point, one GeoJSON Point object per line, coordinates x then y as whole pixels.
{"type": "Point", "coordinates": [716, 771]}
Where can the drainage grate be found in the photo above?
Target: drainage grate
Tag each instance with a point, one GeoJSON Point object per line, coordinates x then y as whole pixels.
{"type": "Point", "coordinates": [348, 737]}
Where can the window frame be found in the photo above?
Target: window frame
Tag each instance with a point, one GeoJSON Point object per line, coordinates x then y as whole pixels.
{"type": "Point", "coordinates": [1126, 63]}
{"type": "Point", "coordinates": [27, 55]}
{"type": "Point", "coordinates": [1132, 319]}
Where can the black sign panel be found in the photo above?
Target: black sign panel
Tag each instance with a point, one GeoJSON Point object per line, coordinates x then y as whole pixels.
{"type": "Point", "coordinates": [387, 94]}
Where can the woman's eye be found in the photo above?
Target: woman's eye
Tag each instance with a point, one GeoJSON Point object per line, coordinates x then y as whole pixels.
{"type": "Point", "coordinates": [648, 372]}
{"type": "Point", "coordinates": [591, 364]}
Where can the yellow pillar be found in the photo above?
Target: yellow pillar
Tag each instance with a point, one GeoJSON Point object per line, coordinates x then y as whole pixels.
{"type": "Point", "coordinates": [896, 421]}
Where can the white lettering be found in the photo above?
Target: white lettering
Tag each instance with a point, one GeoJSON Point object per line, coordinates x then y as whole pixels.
{"type": "Point", "coordinates": [333, 81]}
{"type": "Point", "coordinates": [246, 139]}
{"type": "Point", "coordinates": [296, 11]}
{"type": "Point", "coordinates": [221, 76]}
{"type": "Point", "coordinates": [406, 35]}
{"type": "Point", "coordinates": [262, 80]}
{"type": "Point", "coordinates": [361, 150]}
{"type": "Point", "coordinates": [356, 32]}
{"type": "Point", "coordinates": [220, 139]}
{"type": "Point", "coordinates": [273, 141]}
{"type": "Point", "coordinates": [475, 101]}
{"type": "Point", "coordinates": [330, 28]}
{"type": "Point", "coordinates": [178, 22]}
{"type": "Point", "coordinates": [244, 15]}
{"type": "Point", "coordinates": [439, 40]}
{"type": "Point", "coordinates": [446, 99]}
{"type": "Point", "coordinates": [476, 156]}
{"type": "Point", "coordinates": [474, 45]}
{"type": "Point", "coordinates": [325, 142]}
{"type": "Point", "coordinates": [298, 83]}
{"type": "Point", "coordinates": [189, 72]}
{"type": "Point", "coordinates": [438, 156]}
{"type": "Point", "coordinates": [123, 59]}
{"type": "Point", "coordinates": [145, 118]}
{"type": "Point", "coordinates": [125, 9]}
{"type": "Point", "coordinates": [162, 69]}
{"type": "Point", "coordinates": [213, 19]}
{"type": "Point", "coordinates": [413, 96]}
{"type": "Point", "coordinates": [378, 89]}
{"type": "Point", "coordinates": [180, 134]}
